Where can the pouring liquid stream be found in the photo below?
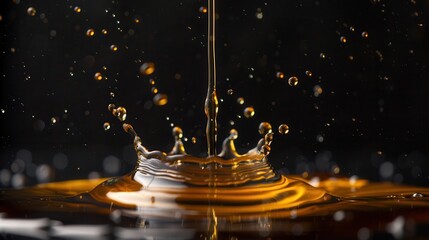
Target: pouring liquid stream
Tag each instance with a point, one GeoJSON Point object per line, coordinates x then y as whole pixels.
{"type": "Point", "coordinates": [227, 186]}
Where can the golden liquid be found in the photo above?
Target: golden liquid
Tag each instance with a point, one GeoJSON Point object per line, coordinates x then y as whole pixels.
{"type": "Point", "coordinates": [223, 195]}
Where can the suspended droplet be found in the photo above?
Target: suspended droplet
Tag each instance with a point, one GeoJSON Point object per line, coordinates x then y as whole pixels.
{"type": "Point", "coordinates": [240, 100]}
{"type": "Point", "coordinates": [152, 82]}
{"type": "Point", "coordinates": [98, 76]}
{"type": "Point", "coordinates": [154, 90]}
{"type": "Point", "coordinates": [53, 120]}
{"type": "Point", "coordinates": [77, 9]}
{"type": "Point", "coordinates": [203, 9]}
{"type": "Point", "coordinates": [121, 113]}
{"type": "Point", "coordinates": [343, 39]}
{"type": "Point", "coordinates": [308, 73]}
{"type": "Point", "coordinates": [113, 48]}
{"type": "Point", "coordinates": [194, 140]}
{"type": "Point", "coordinates": [90, 32]}
{"type": "Point", "coordinates": [104, 31]}
{"type": "Point", "coordinates": [160, 99]}
{"type": "Point", "coordinates": [364, 34]}
{"type": "Point", "coordinates": [293, 81]}
{"type": "Point", "coordinates": [280, 75]}
{"type": "Point", "coordinates": [31, 11]}
{"type": "Point", "coordinates": [147, 68]}
{"type": "Point", "coordinates": [249, 112]}
{"type": "Point", "coordinates": [322, 55]}
{"type": "Point", "coordinates": [230, 91]}
{"type": "Point", "coordinates": [317, 90]}
{"type": "Point", "coordinates": [283, 129]}
{"type": "Point", "coordinates": [111, 107]}
{"type": "Point", "coordinates": [264, 128]}
{"type": "Point", "coordinates": [106, 126]}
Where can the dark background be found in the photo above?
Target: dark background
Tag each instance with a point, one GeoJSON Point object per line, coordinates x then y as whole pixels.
{"type": "Point", "coordinates": [372, 114]}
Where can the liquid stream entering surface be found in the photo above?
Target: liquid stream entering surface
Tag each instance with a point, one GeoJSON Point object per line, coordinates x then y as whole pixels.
{"type": "Point", "coordinates": [215, 194]}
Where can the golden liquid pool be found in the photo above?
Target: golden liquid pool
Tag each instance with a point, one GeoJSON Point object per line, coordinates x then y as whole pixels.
{"type": "Point", "coordinates": [222, 196]}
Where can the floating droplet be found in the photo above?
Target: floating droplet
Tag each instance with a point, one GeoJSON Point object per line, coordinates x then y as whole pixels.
{"type": "Point", "coordinates": [77, 9]}
{"type": "Point", "coordinates": [90, 32]}
{"type": "Point", "coordinates": [194, 140]}
{"type": "Point", "coordinates": [317, 90]}
{"type": "Point", "coordinates": [283, 129]}
{"type": "Point", "coordinates": [160, 99]}
{"type": "Point", "coordinates": [264, 128]}
{"type": "Point", "coordinates": [322, 55]}
{"type": "Point", "coordinates": [31, 11]}
{"type": "Point", "coordinates": [308, 73]}
{"type": "Point", "coordinates": [203, 9]}
{"type": "Point", "coordinates": [240, 100]}
{"type": "Point", "coordinates": [147, 68]}
{"type": "Point", "coordinates": [293, 81]}
{"type": "Point", "coordinates": [280, 75]}
{"type": "Point", "coordinates": [417, 195]}
{"type": "Point", "coordinates": [343, 39]}
{"type": "Point", "coordinates": [113, 48]}
{"type": "Point", "coordinates": [98, 76]}
{"type": "Point", "coordinates": [53, 120]}
{"type": "Point", "coordinates": [104, 31]}
{"type": "Point", "coordinates": [154, 90]}
{"type": "Point", "coordinates": [152, 82]}
{"type": "Point", "coordinates": [106, 126]}
{"type": "Point", "coordinates": [111, 107]}
{"type": "Point", "coordinates": [230, 91]}
{"type": "Point", "coordinates": [121, 113]}
{"type": "Point", "coordinates": [249, 112]}
{"type": "Point", "coordinates": [364, 34]}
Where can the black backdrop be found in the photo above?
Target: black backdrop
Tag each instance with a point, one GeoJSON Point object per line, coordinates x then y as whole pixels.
{"type": "Point", "coordinates": [370, 121]}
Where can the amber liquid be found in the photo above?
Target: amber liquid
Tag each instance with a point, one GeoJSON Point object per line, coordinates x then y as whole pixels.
{"type": "Point", "coordinates": [224, 196]}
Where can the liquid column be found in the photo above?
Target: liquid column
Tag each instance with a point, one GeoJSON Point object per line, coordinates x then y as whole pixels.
{"type": "Point", "coordinates": [211, 106]}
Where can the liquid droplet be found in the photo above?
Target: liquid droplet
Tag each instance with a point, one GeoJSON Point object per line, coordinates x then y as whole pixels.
{"type": "Point", "coordinates": [308, 73]}
{"type": "Point", "coordinates": [113, 48]}
{"type": "Point", "coordinates": [90, 32]}
{"type": "Point", "coordinates": [230, 91]}
{"type": "Point", "coordinates": [194, 140]}
{"type": "Point", "coordinates": [31, 11]}
{"type": "Point", "coordinates": [280, 75]}
{"type": "Point", "coordinates": [106, 126]}
{"type": "Point", "coordinates": [343, 39]}
{"type": "Point", "coordinates": [77, 9]}
{"type": "Point", "coordinates": [240, 100]}
{"type": "Point", "coordinates": [160, 99]}
{"type": "Point", "coordinates": [265, 128]}
{"type": "Point", "coordinates": [121, 112]}
{"type": "Point", "coordinates": [364, 34]}
{"type": "Point", "coordinates": [53, 120]}
{"type": "Point", "coordinates": [177, 133]}
{"type": "Point", "coordinates": [317, 90]}
{"type": "Point", "coordinates": [147, 68]}
{"type": "Point", "coordinates": [203, 9]}
{"type": "Point", "coordinates": [104, 31]}
{"type": "Point", "coordinates": [98, 76]}
{"type": "Point", "coordinates": [293, 81]}
{"type": "Point", "coordinates": [283, 129]}
{"type": "Point", "coordinates": [154, 90]}
{"type": "Point", "coordinates": [249, 112]}
{"type": "Point", "coordinates": [322, 55]}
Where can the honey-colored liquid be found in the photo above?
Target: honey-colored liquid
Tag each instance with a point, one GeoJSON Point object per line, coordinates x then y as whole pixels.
{"type": "Point", "coordinates": [222, 196]}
